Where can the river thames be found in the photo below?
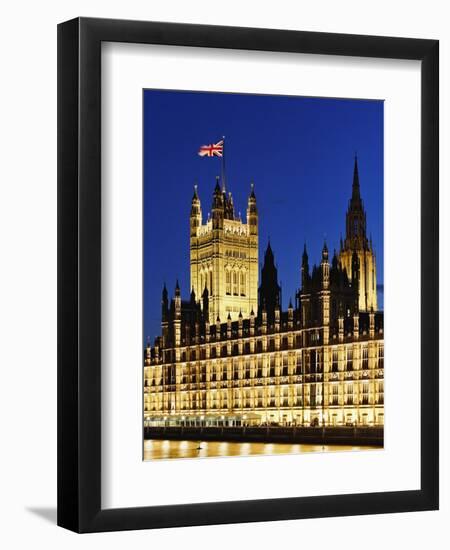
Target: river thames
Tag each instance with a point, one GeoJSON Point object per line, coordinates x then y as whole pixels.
{"type": "Point", "coordinates": [164, 449]}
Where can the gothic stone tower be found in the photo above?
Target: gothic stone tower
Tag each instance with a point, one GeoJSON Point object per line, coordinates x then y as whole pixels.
{"type": "Point", "coordinates": [270, 290]}
{"type": "Point", "coordinates": [356, 242]}
{"type": "Point", "coordinates": [224, 256]}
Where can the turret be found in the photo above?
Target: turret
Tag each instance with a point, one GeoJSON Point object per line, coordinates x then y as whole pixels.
{"type": "Point", "coordinates": [277, 317]}
{"type": "Point", "coordinates": [229, 206]}
{"type": "Point", "coordinates": [196, 213]}
{"type": "Point", "coordinates": [371, 324]}
{"type": "Point", "coordinates": [217, 328]}
{"type": "Point", "coordinates": [205, 303]}
{"type": "Point", "coordinates": [217, 209]}
{"type": "Point", "coordinates": [252, 211]}
{"type": "Point", "coordinates": [305, 268]}
{"type": "Point", "coordinates": [325, 267]}
{"type": "Point", "coordinates": [355, 325]}
{"type": "Point", "coordinates": [269, 290]}
{"type": "Point", "coordinates": [177, 318]}
{"type": "Point", "coordinates": [148, 353]}
{"type": "Point", "coordinates": [156, 350]}
{"type": "Point", "coordinates": [290, 315]}
{"type": "Point", "coordinates": [252, 322]}
{"type": "Point", "coordinates": [264, 319]}
{"type": "Point", "coordinates": [164, 304]}
{"type": "Point", "coordinates": [341, 325]}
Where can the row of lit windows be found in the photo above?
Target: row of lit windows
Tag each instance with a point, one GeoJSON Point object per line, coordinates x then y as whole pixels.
{"type": "Point", "coordinates": [245, 349]}
{"type": "Point", "coordinates": [346, 388]}
{"type": "Point", "coordinates": [246, 399]}
{"type": "Point", "coordinates": [274, 365]}
{"type": "Point", "coordinates": [235, 282]}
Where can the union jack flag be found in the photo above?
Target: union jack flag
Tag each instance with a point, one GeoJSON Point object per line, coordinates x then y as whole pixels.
{"type": "Point", "coordinates": [213, 150]}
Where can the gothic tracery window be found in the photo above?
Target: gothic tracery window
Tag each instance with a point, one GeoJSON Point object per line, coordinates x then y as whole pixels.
{"type": "Point", "coordinates": [235, 283]}
{"type": "Point", "coordinates": [228, 282]}
{"type": "Point", "coordinates": [242, 283]}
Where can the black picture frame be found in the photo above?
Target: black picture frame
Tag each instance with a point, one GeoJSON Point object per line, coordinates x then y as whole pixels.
{"type": "Point", "coordinates": [79, 274]}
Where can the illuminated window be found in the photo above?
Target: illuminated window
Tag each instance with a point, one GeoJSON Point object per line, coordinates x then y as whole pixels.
{"type": "Point", "coordinates": [349, 391]}
{"type": "Point", "coordinates": [335, 364]}
{"type": "Point", "coordinates": [380, 397]}
{"type": "Point", "coordinates": [235, 283]}
{"type": "Point", "coordinates": [365, 358]}
{"type": "Point", "coordinates": [335, 396]}
{"type": "Point", "coordinates": [365, 394]}
{"type": "Point", "coordinates": [349, 359]}
{"type": "Point", "coordinates": [299, 363]}
{"type": "Point", "coordinates": [228, 282]}
{"type": "Point", "coordinates": [242, 283]}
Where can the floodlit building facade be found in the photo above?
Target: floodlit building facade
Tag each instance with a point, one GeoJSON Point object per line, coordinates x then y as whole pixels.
{"type": "Point", "coordinates": [230, 356]}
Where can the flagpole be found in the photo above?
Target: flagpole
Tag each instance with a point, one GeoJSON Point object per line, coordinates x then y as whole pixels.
{"type": "Point", "coordinates": [223, 165]}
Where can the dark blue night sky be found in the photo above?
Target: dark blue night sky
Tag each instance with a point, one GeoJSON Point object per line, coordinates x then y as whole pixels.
{"type": "Point", "coordinates": [299, 151]}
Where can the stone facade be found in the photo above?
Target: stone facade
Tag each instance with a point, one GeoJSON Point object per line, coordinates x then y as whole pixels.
{"type": "Point", "coordinates": [231, 356]}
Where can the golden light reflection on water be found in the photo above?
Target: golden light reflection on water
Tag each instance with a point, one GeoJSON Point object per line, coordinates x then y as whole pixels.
{"type": "Point", "coordinates": [164, 449]}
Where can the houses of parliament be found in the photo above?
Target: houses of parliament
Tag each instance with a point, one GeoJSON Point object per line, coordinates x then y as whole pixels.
{"type": "Point", "coordinates": [231, 356]}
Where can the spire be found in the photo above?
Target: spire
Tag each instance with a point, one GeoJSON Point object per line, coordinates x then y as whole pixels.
{"type": "Point", "coordinates": [217, 189]}
{"type": "Point", "coordinates": [269, 289]}
{"type": "Point", "coordinates": [164, 303]}
{"type": "Point", "coordinates": [334, 261]}
{"type": "Point", "coordinates": [268, 256]}
{"type": "Point", "coordinates": [325, 251]}
{"type": "Point", "coordinates": [355, 234]}
{"type": "Point", "coordinates": [195, 196]}
{"type": "Point", "coordinates": [252, 211]}
{"type": "Point", "coordinates": [305, 256]}
{"type": "Point", "coordinates": [218, 206]}
{"type": "Point", "coordinates": [205, 297]}
{"type": "Point", "coordinates": [355, 186]}
{"type": "Point", "coordinates": [196, 212]}
{"type": "Point", "coordinates": [177, 289]}
{"type": "Point", "coordinates": [305, 268]}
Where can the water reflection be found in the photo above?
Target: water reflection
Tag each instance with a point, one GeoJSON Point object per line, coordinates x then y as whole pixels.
{"type": "Point", "coordinates": [156, 449]}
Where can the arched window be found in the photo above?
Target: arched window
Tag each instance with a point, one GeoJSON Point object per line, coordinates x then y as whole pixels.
{"type": "Point", "coordinates": [242, 283]}
{"type": "Point", "coordinates": [228, 282]}
{"type": "Point", "coordinates": [235, 283]}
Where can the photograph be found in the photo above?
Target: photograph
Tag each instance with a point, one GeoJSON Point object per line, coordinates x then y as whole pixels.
{"type": "Point", "coordinates": [263, 282]}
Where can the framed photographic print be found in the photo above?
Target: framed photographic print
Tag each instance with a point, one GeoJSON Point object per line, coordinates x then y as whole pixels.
{"type": "Point", "coordinates": [248, 275]}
